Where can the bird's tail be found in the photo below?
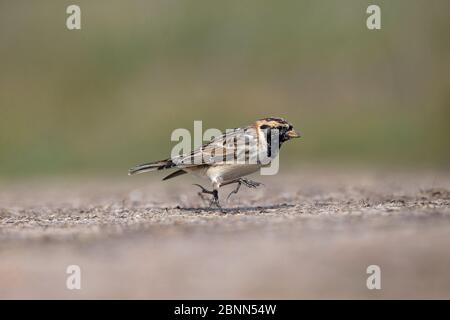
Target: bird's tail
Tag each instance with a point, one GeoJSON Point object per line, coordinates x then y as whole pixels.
{"type": "Point", "coordinates": [151, 166]}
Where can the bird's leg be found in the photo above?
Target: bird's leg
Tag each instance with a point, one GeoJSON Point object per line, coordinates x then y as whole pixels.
{"type": "Point", "coordinates": [215, 199]}
{"type": "Point", "coordinates": [248, 183]}
{"type": "Point", "coordinates": [203, 191]}
{"type": "Point", "coordinates": [239, 183]}
{"type": "Point", "coordinates": [215, 193]}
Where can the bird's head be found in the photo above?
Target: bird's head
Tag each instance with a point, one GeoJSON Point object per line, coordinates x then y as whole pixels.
{"type": "Point", "coordinates": [285, 129]}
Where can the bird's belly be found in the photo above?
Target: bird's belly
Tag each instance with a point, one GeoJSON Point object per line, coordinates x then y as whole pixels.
{"type": "Point", "coordinates": [229, 172]}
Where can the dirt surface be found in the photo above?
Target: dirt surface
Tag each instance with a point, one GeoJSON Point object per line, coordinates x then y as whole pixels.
{"type": "Point", "coordinates": [307, 234]}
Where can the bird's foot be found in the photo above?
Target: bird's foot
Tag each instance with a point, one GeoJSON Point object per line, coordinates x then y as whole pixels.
{"type": "Point", "coordinates": [248, 183]}
{"type": "Point", "coordinates": [239, 183]}
{"type": "Point", "coordinates": [215, 199]}
{"type": "Point", "coordinates": [203, 191]}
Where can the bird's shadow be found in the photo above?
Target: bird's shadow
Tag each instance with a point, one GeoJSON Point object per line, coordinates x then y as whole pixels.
{"type": "Point", "coordinates": [235, 209]}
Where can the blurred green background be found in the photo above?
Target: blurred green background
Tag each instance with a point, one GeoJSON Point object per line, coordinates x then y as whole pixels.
{"type": "Point", "coordinates": [107, 97]}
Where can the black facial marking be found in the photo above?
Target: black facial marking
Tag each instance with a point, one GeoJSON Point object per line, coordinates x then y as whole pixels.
{"type": "Point", "coordinates": [284, 133]}
{"type": "Point", "coordinates": [269, 142]}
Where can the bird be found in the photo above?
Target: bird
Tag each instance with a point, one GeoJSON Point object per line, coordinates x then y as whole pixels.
{"type": "Point", "coordinates": [229, 157]}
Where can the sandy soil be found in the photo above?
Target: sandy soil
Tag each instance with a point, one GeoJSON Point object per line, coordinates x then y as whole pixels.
{"type": "Point", "coordinates": [307, 234]}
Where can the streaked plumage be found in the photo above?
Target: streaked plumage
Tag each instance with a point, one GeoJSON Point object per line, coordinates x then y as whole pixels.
{"type": "Point", "coordinates": [228, 158]}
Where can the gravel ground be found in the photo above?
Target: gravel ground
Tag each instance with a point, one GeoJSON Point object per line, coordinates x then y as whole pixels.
{"type": "Point", "coordinates": [306, 234]}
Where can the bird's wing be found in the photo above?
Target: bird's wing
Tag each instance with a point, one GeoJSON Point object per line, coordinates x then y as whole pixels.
{"type": "Point", "coordinates": [237, 145]}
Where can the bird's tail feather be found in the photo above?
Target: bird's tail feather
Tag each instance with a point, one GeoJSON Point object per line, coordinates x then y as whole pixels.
{"type": "Point", "coordinates": [151, 166]}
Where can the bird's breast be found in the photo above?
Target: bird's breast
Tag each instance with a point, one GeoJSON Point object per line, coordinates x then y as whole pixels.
{"type": "Point", "coordinates": [229, 172]}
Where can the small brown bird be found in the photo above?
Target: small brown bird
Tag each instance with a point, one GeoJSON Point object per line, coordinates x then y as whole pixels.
{"type": "Point", "coordinates": [228, 158]}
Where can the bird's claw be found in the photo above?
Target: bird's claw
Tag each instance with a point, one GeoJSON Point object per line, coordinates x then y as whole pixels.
{"type": "Point", "coordinates": [235, 190]}
{"type": "Point", "coordinates": [203, 189]}
{"type": "Point", "coordinates": [251, 183]}
{"type": "Point", "coordinates": [214, 201]}
{"type": "Point", "coordinates": [248, 183]}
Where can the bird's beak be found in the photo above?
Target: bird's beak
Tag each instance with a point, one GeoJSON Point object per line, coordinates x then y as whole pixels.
{"type": "Point", "coordinates": [292, 134]}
